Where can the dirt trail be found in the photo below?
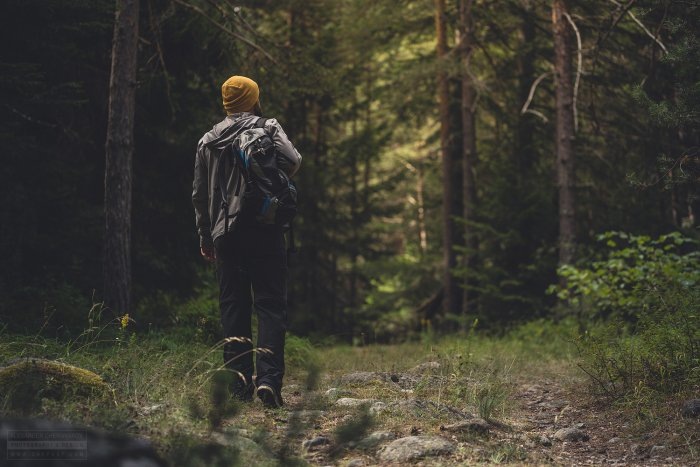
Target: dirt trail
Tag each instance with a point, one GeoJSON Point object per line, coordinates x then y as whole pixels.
{"type": "Point", "coordinates": [552, 421]}
{"type": "Point", "coordinates": [547, 407]}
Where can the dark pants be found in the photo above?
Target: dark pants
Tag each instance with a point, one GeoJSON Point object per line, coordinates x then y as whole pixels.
{"type": "Point", "coordinates": [252, 273]}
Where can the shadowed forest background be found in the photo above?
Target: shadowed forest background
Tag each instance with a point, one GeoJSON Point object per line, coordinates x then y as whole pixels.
{"type": "Point", "coordinates": [357, 86]}
{"type": "Point", "coordinates": [498, 202]}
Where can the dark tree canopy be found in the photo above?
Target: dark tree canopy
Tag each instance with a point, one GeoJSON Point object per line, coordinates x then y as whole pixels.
{"type": "Point", "coordinates": [425, 144]}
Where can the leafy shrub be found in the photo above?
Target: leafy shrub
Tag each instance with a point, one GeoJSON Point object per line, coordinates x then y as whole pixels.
{"type": "Point", "coordinates": [648, 292]}
{"type": "Point", "coordinates": [632, 277]}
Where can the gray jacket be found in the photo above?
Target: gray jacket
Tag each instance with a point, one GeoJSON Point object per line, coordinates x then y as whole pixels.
{"type": "Point", "coordinates": [206, 196]}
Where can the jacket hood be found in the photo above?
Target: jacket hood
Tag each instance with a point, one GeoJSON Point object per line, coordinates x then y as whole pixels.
{"type": "Point", "coordinates": [226, 131]}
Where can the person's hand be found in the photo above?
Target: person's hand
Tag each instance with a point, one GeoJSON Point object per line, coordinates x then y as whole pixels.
{"type": "Point", "coordinates": [209, 253]}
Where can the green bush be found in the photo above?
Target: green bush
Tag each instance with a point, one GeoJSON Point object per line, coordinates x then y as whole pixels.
{"type": "Point", "coordinates": [632, 277]}
{"type": "Point", "coordinates": [640, 304]}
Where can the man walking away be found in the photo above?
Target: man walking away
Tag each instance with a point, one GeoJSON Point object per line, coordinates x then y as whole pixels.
{"type": "Point", "coordinates": [251, 260]}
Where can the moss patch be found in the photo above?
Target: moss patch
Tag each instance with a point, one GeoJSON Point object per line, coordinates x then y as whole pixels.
{"type": "Point", "coordinates": [24, 383]}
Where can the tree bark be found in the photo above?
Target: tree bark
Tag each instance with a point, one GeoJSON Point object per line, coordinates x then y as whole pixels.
{"type": "Point", "coordinates": [564, 135]}
{"type": "Point", "coordinates": [452, 294]}
{"type": "Point", "coordinates": [466, 26]}
{"type": "Point", "coordinates": [119, 149]}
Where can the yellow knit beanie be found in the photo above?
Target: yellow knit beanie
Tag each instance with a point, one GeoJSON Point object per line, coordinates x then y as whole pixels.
{"type": "Point", "coordinates": [239, 94]}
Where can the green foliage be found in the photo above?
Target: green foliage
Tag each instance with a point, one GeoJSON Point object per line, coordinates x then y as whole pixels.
{"type": "Point", "coordinates": [648, 291]}
{"type": "Point", "coordinates": [634, 276]}
{"type": "Point", "coordinates": [508, 453]}
{"type": "Point", "coordinates": [662, 356]}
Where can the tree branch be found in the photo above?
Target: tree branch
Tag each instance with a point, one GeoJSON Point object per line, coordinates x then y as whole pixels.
{"type": "Point", "coordinates": [227, 30]}
{"type": "Point", "coordinates": [578, 69]}
{"type": "Point", "coordinates": [533, 88]}
{"type": "Point", "coordinates": [537, 113]}
{"type": "Point", "coordinates": [641, 25]}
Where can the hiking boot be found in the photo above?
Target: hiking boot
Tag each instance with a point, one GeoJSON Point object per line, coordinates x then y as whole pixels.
{"type": "Point", "coordinates": [270, 397]}
{"type": "Point", "coordinates": [242, 392]}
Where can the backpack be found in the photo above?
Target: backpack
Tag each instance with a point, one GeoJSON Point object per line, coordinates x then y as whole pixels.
{"type": "Point", "coordinates": [269, 196]}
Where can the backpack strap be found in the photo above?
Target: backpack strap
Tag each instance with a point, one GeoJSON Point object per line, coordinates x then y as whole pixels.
{"type": "Point", "coordinates": [260, 123]}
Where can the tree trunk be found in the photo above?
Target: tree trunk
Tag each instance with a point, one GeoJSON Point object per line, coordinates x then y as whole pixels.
{"type": "Point", "coordinates": [452, 294]}
{"type": "Point", "coordinates": [119, 150]}
{"type": "Point", "coordinates": [564, 132]}
{"type": "Point", "coordinates": [466, 26]}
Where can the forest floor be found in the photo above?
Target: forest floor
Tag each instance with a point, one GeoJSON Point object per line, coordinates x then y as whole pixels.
{"type": "Point", "coordinates": [437, 402]}
{"type": "Point", "coordinates": [459, 404]}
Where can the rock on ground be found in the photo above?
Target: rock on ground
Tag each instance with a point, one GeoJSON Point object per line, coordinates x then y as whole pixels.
{"type": "Point", "coordinates": [415, 447]}
{"type": "Point", "coordinates": [571, 434]}
{"type": "Point", "coordinates": [403, 380]}
{"type": "Point", "coordinates": [475, 425]}
{"type": "Point", "coordinates": [377, 407]}
{"type": "Point", "coordinates": [375, 438]}
{"type": "Point", "coordinates": [25, 381]}
{"type": "Point", "coordinates": [351, 402]}
{"type": "Point", "coordinates": [316, 442]}
{"type": "Point", "coordinates": [691, 408]}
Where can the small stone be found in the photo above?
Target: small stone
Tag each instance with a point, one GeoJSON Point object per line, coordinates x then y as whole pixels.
{"type": "Point", "coordinates": [545, 441]}
{"type": "Point", "coordinates": [555, 404]}
{"type": "Point", "coordinates": [656, 450]}
{"type": "Point", "coordinates": [357, 462]}
{"type": "Point", "coordinates": [415, 447]}
{"type": "Point", "coordinates": [580, 426]}
{"type": "Point", "coordinates": [151, 409]}
{"type": "Point", "coordinates": [474, 425]}
{"type": "Point", "coordinates": [375, 438]}
{"type": "Point", "coordinates": [634, 449]}
{"type": "Point", "coordinates": [314, 443]}
{"type": "Point", "coordinates": [332, 393]}
{"type": "Point", "coordinates": [352, 402]}
{"type": "Point", "coordinates": [377, 407]}
{"type": "Point", "coordinates": [571, 434]}
{"type": "Point", "coordinates": [362, 377]}
{"type": "Point", "coordinates": [691, 408]}
{"type": "Point", "coordinates": [613, 440]}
